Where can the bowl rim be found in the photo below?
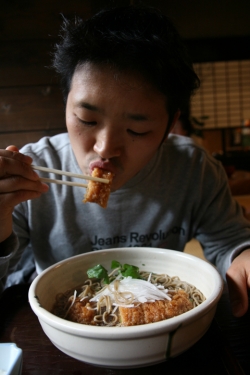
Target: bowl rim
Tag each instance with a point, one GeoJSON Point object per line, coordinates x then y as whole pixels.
{"type": "Point", "coordinates": [131, 331]}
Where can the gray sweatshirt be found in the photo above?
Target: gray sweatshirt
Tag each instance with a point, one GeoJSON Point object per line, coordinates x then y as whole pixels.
{"type": "Point", "coordinates": [181, 194]}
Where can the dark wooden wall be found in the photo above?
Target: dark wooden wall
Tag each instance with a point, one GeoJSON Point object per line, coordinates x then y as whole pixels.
{"type": "Point", "coordinates": [30, 99]}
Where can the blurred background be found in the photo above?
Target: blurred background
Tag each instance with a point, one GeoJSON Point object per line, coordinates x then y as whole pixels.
{"type": "Point", "coordinates": [217, 35]}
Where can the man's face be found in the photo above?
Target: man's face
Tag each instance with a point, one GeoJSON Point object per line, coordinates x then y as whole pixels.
{"type": "Point", "coordinates": [115, 122]}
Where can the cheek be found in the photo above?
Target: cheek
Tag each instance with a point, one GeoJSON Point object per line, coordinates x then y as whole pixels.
{"type": "Point", "coordinates": [80, 141]}
{"type": "Point", "coordinates": [72, 126]}
{"type": "Point", "coordinates": [145, 152]}
{"type": "Point", "coordinates": [146, 149]}
{"type": "Point", "coordinates": [75, 131]}
{"type": "Point", "coordinates": [139, 156]}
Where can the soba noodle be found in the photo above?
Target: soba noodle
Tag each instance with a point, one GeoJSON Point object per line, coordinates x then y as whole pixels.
{"type": "Point", "coordinates": [102, 303]}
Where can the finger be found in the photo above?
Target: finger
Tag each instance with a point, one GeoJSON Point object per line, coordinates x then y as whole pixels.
{"type": "Point", "coordinates": [238, 297]}
{"type": "Point", "coordinates": [15, 163]}
{"type": "Point", "coordinates": [13, 153]}
{"type": "Point", "coordinates": [15, 190]}
{"type": "Point", "coordinates": [13, 184]}
{"type": "Point", "coordinates": [10, 200]}
{"type": "Point", "coordinates": [237, 287]}
{"type": "Point", "coordinates": [12, 148]}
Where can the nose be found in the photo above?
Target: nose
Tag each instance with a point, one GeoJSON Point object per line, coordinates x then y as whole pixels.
{"type": "Point", "coordinates": [109, 143]}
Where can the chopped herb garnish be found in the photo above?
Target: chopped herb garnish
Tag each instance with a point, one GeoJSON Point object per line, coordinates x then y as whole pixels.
{"type": "Point", "coordinates": [98, 272]}
{"type": "Point", "coordinates": [115, 264]}
{"type": "Point", "coordinates": [127, 269]}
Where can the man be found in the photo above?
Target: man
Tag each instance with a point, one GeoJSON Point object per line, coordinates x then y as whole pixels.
{"type": "Point", "coordinates": [125, 78]}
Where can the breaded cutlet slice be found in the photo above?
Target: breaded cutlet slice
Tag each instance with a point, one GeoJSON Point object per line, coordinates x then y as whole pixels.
{"type": "Point", "coordinates": [150, 312]}
{"type": "Point", "coordinates": [98, 192]}
{"type": "Point", "coordinates": [80, 313]}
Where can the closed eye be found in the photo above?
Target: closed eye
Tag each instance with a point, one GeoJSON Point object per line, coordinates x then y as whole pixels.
{"type": "Point", "coordinates": [136, 134]}
{"type": "Point", "coordinates": [88, 123]}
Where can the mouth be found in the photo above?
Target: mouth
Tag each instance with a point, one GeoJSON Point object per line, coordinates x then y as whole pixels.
{"type": "Point", "coordinates": [107, 165]}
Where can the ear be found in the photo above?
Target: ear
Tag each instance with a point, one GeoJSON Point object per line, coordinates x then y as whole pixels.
{"type": "Point", "coordinates": [168, 130]}
{"type": "Point", "coordinates": [175, 119]}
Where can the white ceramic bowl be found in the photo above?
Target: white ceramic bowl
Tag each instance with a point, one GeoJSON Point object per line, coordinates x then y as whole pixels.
{"type": "Point", "coordinates": [123, 347]}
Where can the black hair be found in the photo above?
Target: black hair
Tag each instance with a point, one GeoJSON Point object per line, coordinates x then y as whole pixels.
{"type": "Point", "coordinates": [186, 124]}
{"type": "Point", "coordinates": [129, 38]}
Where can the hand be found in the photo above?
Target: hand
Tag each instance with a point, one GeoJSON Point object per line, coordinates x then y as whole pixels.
{"type": "Point", "coordinates": [238, 279]}
{"type": "Point", "coordinates": [18, 183]}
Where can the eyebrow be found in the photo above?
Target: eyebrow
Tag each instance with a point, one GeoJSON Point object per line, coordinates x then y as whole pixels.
{"type": "Point", "coordinates": [89, 106]}
{"type": "Point", "coordinates": [132, 116]}
{"type": "Point", "coordinates": [137, 117]}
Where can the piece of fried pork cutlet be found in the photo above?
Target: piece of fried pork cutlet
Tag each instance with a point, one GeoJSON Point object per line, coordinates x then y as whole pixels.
{"type": "Point", "coordinates": [150, 312]}
{"type": "Point", "coordinates": [80, 313]}
{"type": "Point", "coordinates": [98, 192]}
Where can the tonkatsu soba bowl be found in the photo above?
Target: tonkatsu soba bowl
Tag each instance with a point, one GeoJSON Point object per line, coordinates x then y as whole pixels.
{"type": "Point", "coordinates": [115, 341]}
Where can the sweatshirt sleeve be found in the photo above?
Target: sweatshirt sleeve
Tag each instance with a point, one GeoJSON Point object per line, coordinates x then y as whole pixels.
{"type": "Point", "coordinates": [9, 248]}
{"type": "Point", "coordinates": [221, 227]}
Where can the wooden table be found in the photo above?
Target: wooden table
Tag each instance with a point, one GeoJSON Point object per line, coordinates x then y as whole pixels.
{"type": "Point", "coordinates": [223, 350]}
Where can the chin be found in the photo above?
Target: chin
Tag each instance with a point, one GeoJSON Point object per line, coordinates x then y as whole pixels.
{"type": "Point", "coordinates": [116, 185]}
{"type": "Point", "coordinates": [115, 188]}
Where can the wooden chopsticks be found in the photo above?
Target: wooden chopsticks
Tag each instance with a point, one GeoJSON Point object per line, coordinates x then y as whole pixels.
{"type": "Point", "coordinates": [64, 173]}
{"type": "Point", "coordinates": [62, 182]}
